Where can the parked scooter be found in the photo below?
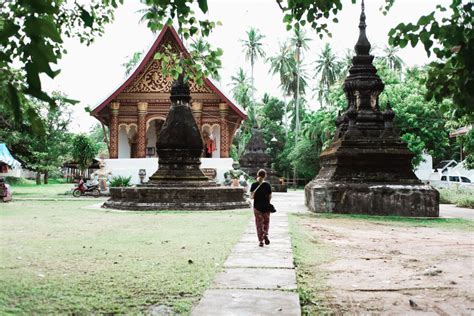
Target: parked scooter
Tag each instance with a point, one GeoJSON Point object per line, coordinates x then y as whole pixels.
{"type": "Point", "coordinates": [86, 189]}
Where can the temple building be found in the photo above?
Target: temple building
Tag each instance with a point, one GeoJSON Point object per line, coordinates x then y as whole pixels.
{"type": "Point", "coordinates": [136, 111]}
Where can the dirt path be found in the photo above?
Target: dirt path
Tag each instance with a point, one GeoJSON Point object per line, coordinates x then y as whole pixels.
{"type": "Point", "coordinates": [397, 270]}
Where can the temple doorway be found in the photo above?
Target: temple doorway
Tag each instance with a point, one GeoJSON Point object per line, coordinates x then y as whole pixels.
{"type": "Point", "coordinates": [211, 136]}
{"type": "Point", "coordinates": [152, 133]}
{"type": "Point", "coordinates": [127, 141]}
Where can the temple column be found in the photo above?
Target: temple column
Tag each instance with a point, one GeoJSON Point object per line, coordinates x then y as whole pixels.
{"type": "Point", "coordinates": [114, 129]}
{"type": "Point", "coordinates": [224, 111]}
{"type": "Point", "coordinates": [142, 108]}
{"type": "Point", "coordinates": [197, 113]}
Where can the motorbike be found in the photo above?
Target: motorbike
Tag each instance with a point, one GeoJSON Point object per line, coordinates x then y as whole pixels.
{"type": "Point", "coordinates": [85, 189]}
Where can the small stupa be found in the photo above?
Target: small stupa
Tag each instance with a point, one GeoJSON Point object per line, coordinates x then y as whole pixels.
{"type": "Point", "coordinates": [179, 183]}
{"type": "Point", "coordinates": [255, 157]}
{"type": "Point", "coordinates": [367, 169]}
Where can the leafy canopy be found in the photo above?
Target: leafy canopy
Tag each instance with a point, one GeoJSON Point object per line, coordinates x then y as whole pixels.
{"type": "Point", "coordinates": [31, 41]}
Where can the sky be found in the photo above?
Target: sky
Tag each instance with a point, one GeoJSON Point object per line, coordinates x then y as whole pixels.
{"type": "Point", "coordinates": [91, 73]}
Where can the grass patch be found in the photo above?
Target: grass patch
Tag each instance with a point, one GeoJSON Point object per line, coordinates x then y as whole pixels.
{"type": "Point", "coordinates": [57, 190]}
{"type": "Point", "coordinates": [309, 254]}
{"type": "Point", "coordinates": [441, 223]}
{"type": "Point", "coordinates": [462, 197]}
{"type": "Point", "coordinates": [60, 259]}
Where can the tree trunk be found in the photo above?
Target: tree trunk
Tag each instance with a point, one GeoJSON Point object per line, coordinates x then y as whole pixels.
{"type": "Point", "coordinates": [46, 177]}
{"type": "Point", "coordinates": [38, 178]}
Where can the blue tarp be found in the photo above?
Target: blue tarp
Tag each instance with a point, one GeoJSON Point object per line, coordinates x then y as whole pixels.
{"type": "Point", "coordinates": [7, 158]}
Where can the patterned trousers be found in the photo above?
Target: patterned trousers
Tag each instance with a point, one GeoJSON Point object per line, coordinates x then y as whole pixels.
{"type": "Point", "coordinates": [262, 222]}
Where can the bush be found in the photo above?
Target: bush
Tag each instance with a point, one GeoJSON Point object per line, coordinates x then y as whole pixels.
{"type": "Point", "coordinates": [120, 181]}
{"type": "Point", "coordinates": [466, 202]}
{"type": "Point", "coordinates": [461, 196]}
{"type": "Point", "coordinates": [18, 181]}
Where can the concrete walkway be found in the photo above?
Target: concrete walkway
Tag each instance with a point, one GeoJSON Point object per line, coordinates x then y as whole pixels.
{"type": "Point", "coordinates": [256, 280]}
{"type": "Point", "coordinates": [452, 211]}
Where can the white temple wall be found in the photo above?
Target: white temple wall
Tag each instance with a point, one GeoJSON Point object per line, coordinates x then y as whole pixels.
{"type": "Point", "coordinates": [123, 144]}
{"type": "Point", "coordinates": [130, 167]}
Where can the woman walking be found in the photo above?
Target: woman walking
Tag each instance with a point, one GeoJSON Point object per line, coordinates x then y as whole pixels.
{"type": "Point", "coordinates": [261, 193]}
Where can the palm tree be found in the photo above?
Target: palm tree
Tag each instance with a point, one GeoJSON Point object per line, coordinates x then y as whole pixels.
{"type": "Point", "coordinates": [282, 65]}
{"type": "Point", "coordinates": [241, 88]}
{"type": "Point", "coordinates": [132, 62]}
{"type": "Point", "coordinates": [253, 49]}
{"type": "Point", "coordinates": [391, 59]}
{"type": "Point", "coordinates": [328, 67]}
{"type": "Point", "coordinates": [300, 41]}
{"type": "Point", "coordinates": [346, 62]}
{"type": "Point", "coordinates": [148, 14]}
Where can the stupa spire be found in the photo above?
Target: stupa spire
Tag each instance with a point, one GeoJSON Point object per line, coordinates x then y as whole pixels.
{"type": "Point", "coordinates": [180, 92]}
{"type": "Point", "coordinates": [362, 47]}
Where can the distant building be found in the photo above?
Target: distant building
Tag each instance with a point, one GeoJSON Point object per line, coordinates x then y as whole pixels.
{"type": "Point", "coordinates": [136, 111]}
{"type": "Point", "coordinates": [9, 166]}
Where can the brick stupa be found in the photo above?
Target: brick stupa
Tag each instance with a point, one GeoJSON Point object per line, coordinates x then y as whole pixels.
{"type": "Point", "coordinates": [367, 169]}
{"type": "Point", "coordinates": [179, 183]}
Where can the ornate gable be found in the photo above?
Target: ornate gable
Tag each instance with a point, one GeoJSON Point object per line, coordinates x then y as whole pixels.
{"type": "Point", "coordinates": [151, 78]}
{"type": "Point", "coordinates": [148, 83]}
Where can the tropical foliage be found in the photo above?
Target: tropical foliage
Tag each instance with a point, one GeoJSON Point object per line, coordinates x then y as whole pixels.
{"type": "Point", "coordinates": [132, 62]}
{"type": "Point", "coordinates": [451, 39]}
{"type": "Point", "coordinates": [468, 144]}
{"type": "Point", "coordinates": [390, 59]}
{"type": "Point", "coordinates": [32, 34]}
{"type": "Point", "coordinates": [120, 181]}
{"type": "Point", "coordinates": [328, 69]}
{"type": "Point", "coordinates": [84, 150]}
{"type": "Point", "coordinates": [46, 152]}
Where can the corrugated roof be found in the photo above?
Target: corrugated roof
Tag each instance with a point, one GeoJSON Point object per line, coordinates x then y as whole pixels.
{"type": "Point", "coordinates": [7, 158]}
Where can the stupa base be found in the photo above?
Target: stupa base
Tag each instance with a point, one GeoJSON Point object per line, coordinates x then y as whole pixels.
{"type": "Point", "coordinates": [414, 200]}
{"type": "Point", "coordinates": [151, 198]}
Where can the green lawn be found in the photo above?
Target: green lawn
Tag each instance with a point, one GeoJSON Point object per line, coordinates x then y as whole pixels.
{"type": "Point", "coordinates": [442, 223]}
{"type": "Point", "coordinates": [58, 258]}
{"type": "Point", "coordinates": [50, 191]}
{"type": "Point", "coordinates": [309, 254]}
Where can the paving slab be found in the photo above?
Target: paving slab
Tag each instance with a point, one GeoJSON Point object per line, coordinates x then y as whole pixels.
{"type": "Point", "coordinates": [272, 228]}
{"type": "Point", "coordinates": [271, 234]}
{"type": "Point", "coordinates": [247, 247]}
{"type": "Point", "coordinates": [270, 259]}
{"type": "Point", "coordinates": [251, 278]}
{"type": "Point", "coordinates": [273, 239]}
{"type": "Point", "coordinates": [257, 280]}
{"type": "Point", "coordinates": [248, 302]}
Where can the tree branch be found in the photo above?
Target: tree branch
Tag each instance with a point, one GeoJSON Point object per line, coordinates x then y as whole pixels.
{"type": "Point", "coordinates": [279, 4]}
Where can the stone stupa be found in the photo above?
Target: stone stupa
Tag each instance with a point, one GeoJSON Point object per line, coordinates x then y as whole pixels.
{"type": "Point", "coordinates": [179, 183]}
{"type": "Point", "coordinates": [367, 169]}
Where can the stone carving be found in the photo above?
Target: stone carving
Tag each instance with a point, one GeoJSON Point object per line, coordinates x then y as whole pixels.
{"type": "Point", "coordinates": [102, 175]}
{"type": "Point", "coordinates": [236, 176]}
